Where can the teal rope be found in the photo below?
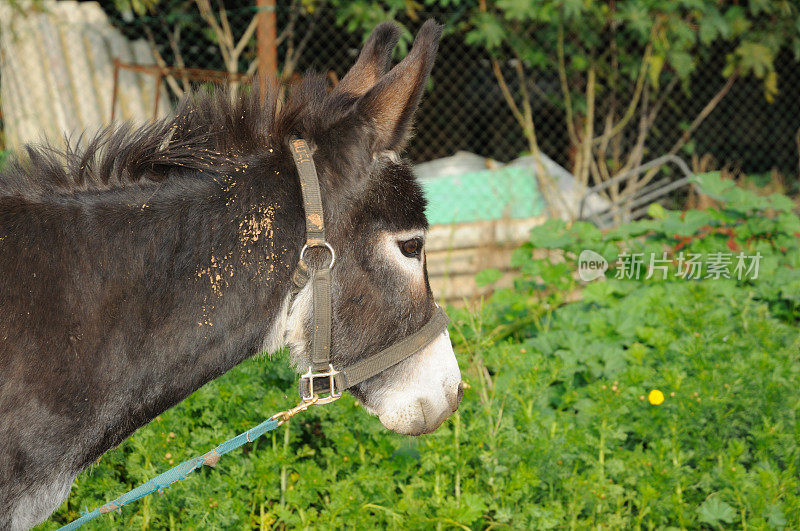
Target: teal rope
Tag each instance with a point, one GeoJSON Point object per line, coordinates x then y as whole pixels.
{"type": "Point", "coordinates": [176, 473]}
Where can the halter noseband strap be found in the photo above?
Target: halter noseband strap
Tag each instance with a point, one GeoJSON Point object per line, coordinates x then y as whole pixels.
{"type": "Point", "coordinates": [335, 381]}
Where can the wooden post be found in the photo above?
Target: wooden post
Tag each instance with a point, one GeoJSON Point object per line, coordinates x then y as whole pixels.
{"type": "Point", "coordinates": [266, 36]}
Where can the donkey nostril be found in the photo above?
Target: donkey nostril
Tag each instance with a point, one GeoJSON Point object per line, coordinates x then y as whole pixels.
{"type": "Point", "coordinates": [460, 394]}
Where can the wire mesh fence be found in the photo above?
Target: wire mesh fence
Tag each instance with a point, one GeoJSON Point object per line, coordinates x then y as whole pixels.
{"type": "Point", "coordinates": [489, 125]}
{"type": "Point", "coordinates": [465, 107]}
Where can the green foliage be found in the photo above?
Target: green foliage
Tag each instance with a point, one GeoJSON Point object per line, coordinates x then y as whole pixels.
{"type": "Point", "coordinates": [488, 276]}
{"type": "Point", "coordinates": [713, 511]}
{"type": "Point", "coordinates": [555, 429]}
{"type": "Point", "coordinates": [681, 34]}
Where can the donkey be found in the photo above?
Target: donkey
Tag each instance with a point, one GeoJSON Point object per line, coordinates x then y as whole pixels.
{"type": "Point", "coordinates": [150, 261]}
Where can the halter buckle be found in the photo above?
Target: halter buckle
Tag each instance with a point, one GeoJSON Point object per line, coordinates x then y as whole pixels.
{"type": "Point", "coordinates": [331, 375]}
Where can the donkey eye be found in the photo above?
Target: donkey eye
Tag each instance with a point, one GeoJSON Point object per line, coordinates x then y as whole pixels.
{"type": "Point", "coordinates": [411, 248]}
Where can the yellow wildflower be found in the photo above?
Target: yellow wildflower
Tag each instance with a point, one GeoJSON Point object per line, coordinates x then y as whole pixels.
{"type": "Point", "coordinates": [656, 397]}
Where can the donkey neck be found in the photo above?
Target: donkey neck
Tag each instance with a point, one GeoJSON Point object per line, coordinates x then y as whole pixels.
{"type": "Point", "coordinates": [185, 285]}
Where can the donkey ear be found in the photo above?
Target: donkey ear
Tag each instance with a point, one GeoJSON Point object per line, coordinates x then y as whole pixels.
{"type": "Point", "coordinates": [389, 106]}
{"type": "Point", "coordinates": [373, 61]}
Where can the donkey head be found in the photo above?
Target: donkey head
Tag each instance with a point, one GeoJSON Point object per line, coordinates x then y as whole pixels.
{"type": "Point", "coordinates": [375, 212]}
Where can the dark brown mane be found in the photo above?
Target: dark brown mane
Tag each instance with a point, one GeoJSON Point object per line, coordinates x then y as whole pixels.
{"type": "Point", "coordinates": [209, 132]}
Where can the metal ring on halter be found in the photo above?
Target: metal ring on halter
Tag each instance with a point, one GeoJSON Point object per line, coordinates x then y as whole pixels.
{"type": "Point", "coordinates": [323, 244]}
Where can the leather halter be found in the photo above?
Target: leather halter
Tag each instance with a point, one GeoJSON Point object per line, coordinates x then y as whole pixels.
{"type": "Point", "coordinates": [337, 380]}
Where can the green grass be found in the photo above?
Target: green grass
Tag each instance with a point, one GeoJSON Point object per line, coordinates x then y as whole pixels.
{"type": "Point", "coordinates": [555, 430]}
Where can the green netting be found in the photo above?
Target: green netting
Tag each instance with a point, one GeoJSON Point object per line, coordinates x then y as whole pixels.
{"type": "Point", "coordinates": [482, 195]}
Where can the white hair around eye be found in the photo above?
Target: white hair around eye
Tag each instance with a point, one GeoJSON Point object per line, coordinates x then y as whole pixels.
{"type": "Point", "coordinates": [389, 245]}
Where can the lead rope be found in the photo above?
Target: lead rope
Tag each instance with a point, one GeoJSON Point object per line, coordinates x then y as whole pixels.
{"type": "Point", "coordinates": [179, 472]}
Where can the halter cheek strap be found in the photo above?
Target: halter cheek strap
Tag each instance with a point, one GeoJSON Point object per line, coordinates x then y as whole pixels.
{"type": "Point", "coordinates": [321, 375]}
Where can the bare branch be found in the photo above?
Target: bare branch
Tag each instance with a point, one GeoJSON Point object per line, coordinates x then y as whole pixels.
{"type": "Point", "coordinates": [525, 119]}
{"type": "Point", "coordinates": [251, 69]}
{"type": "Point", "coordinates": [173, 85]}
{"type": "Point", "coordinates": [595, 173]}
{"type": "Point", "coordinates": [583, 174]}
{"type": "Point", "coordinates": [246, 36]}
{"type": "Point", "coordinates": [662, 98]}
{"type": "Point", "coordinates": [310, 31]}
{"type": "Point", "coordinates": [293, 54]}
{"type": "Point", "coordinates": [294, 13]}
{"type": "Point", "coordinates": [631, 109]}
{"type": "Point", "coordinates": [523, 88]}
{"type": "Point", "coordinates": [223, 17]}
{"type": "Point", "coordinates": [501, 80]}
{"type": "Point", "coordinates": [710, 106]}
{"type": "Point", "coordinates": [208, 15]}
{"type": "Point", "coordinates": [562, 76]}
{"type": "Point", "coordinates": [637, 153]}
{"type": "Point", "coordinates": [686, 136]}
{"type": "Point", "coordinates": [548, 187]}
{"type": "Point", "coordinates": [174, 39]}
{"type": "Point", "coordinates": [204, 6]}
{"type": "Point", "coordinates": [599, 158]}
